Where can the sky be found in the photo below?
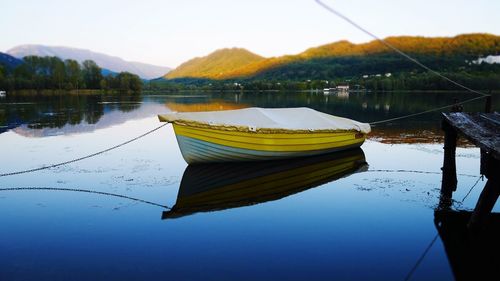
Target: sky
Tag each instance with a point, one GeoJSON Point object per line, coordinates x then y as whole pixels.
{"type": "Point", "coordinates": [168, 32]}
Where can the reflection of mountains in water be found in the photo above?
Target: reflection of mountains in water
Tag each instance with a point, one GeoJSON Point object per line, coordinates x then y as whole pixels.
{"type": "Point", "coordinates": [68, 114]}
{"type": "Point", "coordinates": [215, 105]}
{"type": "Point", "coordinates": [212, 187]}
{"type": "Point", "coordinates": [43, 115]}
{"type": "Point", "coordinates": [108, 119]}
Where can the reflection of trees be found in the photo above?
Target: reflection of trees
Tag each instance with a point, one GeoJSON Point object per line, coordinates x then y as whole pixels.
{"type": "Point", "coordinates": [55, 111]}
{"type": "Point", "coordinates": [366, 107]}
{"type": "Point", "coordinates": [58, 110]}
{"type": "Point", "coordinates": [129, 103]}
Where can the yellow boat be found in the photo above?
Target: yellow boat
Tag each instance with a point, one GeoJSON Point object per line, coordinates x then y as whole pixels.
{"type": "Point", "coordinates": [254, 134]}
{"type": "Point", "coordinates": [219, 186]}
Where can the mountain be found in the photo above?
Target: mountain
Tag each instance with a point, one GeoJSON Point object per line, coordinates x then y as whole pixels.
{"type": "Point", "coordinates": [344, 58]}
{"type": "Point", "coordinates": [9, 61]}
{"type": "Point", "coordinates": [215, 65]}
{"type": "Point", "coordinates": [114, 64]}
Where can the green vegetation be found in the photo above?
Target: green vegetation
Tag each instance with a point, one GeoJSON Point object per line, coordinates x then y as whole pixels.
{"type": "Point", "coordinates": [369, 65]}
{"type": "Point", "coordinates": [124, 81]}
{"type": "Point", "coordinates": [42, 73]}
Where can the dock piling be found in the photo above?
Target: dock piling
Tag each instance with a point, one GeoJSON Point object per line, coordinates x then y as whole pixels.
{"type": "Point", "coordinates": [449, 179]}
{"type": "Point", "coordinates": [483, 130]}
{"type": "Point", "coordinates": [490, 193]}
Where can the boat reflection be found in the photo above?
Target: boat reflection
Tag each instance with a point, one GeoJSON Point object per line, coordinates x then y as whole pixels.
{"type": "Point", "coordinates": [206, 106]}
{"type": "Point", "coordinates": [213, 187]}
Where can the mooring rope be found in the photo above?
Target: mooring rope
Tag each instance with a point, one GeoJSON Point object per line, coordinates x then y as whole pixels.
{"type": "Point", "coordinates": [328, 8]}
{"type": "Point", "coordinates": [421, 258]}
{"type": "Point", "coordinates": [424, 112]}
{"type": "Point", "coordinates": [389, 45]}
{"type": "Point", "coordinates": [424, 254]}
{"type": "Point", "coordinates": [470, 190]}
{"type": "Point", "coordinates": [414, 60]}
{"type": "Point", "coordinates": [85, 191]}
{"type": "Point", "coordinates": [84, 157]}
{"type": "Point", "coordinates": [414, 171]}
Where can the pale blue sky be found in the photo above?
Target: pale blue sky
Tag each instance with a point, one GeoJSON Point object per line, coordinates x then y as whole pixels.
{"type": "Point", "coordinates": [167, 32]}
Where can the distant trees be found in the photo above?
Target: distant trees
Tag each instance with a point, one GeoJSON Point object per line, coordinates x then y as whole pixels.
{"type": "Point", "coordinates": [73, 74]}
{"type": "Point", "coordinates": [123, 81]}
{"type": "Point", "coordinates": [52, 73]}
{"type": "Point", "coordinates": [91, 74]}
{"type": "Point", "coordinates": [2, 74]}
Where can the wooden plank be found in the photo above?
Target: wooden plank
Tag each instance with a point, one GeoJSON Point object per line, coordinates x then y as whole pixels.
{"type": "Point", "coordinates": [482, 129]}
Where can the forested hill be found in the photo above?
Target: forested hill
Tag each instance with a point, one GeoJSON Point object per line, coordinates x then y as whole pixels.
{"type": "Point", "coordinates": [9, 61]}
{"type": "Point", "coordinates": [52, 73]}
{"type": "Point", "coordinates": [215, 65]}
{"type": "Point", "coordinates": [345, 59]}
{"type": "Point", "coordinates": [112, 63]}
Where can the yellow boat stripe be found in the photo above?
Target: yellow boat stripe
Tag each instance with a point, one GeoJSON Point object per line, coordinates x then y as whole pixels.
{"type": "Point", "coordinates": [282, 147]}
{"type": "Point", "coordinates": [265, 135]}
{"type": "Point", "coordinates": [266, 140]}
{"type": "Point", "coordinates": [273, 145]}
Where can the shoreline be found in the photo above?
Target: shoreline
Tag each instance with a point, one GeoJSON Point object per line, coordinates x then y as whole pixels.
{"type": "Point", "coordinates": [49, 92]}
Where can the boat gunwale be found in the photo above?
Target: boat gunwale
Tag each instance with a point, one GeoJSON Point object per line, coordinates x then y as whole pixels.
{"type": "Point", "coordinates": [274, 135]}
{"type": "Point", "coordinates": [247, 129]}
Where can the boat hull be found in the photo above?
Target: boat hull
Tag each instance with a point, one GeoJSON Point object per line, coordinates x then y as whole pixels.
{"type": "Point", "coordinates": [205, 145]}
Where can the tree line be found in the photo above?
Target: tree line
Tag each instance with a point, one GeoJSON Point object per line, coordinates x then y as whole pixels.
{"type": "Point", "coordinates": [41, 73]}
{"type": "Point", "coordinates": [385, 72]}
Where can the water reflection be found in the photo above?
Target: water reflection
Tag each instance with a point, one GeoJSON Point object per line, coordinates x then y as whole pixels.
{"type": "Point", "coordinates": [472, 255]}
{"type": "Point", "coordinates": [318, 234]}
{"type": "Point", "coordinates": [206, 106]}
{"type": "Point", "coordinates": [47, 115]}
{"type": "Point", "coordinates": [212, 187]}
{"type": "Point", "coordinates": [34, 113]}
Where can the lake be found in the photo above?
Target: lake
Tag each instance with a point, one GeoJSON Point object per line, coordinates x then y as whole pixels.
{"type": "Point", "coordinates": [140, 213]}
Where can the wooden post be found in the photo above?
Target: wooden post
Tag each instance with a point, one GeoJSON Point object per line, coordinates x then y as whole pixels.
{"type": "Point", "coordinates": [449, 180]}
{"type": "Point", "coordinates": [483, 162]}
{"type": "Point", "coordinates": [487, 107]}
{"type": "Point", "coordinates": [484, 156]}
{"type": "Point", "coordinates": [488, 196]}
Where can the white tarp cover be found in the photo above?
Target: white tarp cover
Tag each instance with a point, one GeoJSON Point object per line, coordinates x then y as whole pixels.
{"type": "Point", "coordinates": [255, 118]}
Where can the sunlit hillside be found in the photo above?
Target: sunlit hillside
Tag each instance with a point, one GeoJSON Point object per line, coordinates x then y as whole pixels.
{"type": "Point", "coordinates": [216, 64]}
{"type": "Point", "coordinates": [239, 63]}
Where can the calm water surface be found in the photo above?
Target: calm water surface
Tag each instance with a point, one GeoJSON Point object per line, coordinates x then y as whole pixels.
{"type": "Point", "coordinates": [324, 218]}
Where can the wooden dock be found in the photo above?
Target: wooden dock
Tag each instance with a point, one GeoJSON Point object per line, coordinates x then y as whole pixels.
{"type": "Point", "coordinates": [483, 130]}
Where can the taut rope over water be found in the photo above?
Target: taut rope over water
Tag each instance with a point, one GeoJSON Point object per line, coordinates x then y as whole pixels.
{"type": "Point", "coordinates": [84, 191]}
{"type": "Point", "coordinates": [397, 50]}
{"type": "Point", "coordinates": [84, 157]}
{"type": "Point", "coordinates": [389, 45]}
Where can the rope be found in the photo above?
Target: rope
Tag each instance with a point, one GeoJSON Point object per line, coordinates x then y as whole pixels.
{"type": "Point", "coordinates": [340, 15]}
{"type": "Point", "coordinates": [429, 246]}
{"type": "Point", "coordinates": [421, 258]}
{"type": "Point", "coordinates": [423, 112]}
{"type": "Point", "coordinates": [85, 191]}
{"type": "Point", "coordinates": [470, 190]}
{"type": "Point", "coordinates": [84, 157]}
{"type": "Point", "coordinates": [415, 171]}
{"type": "Point", "coordinates": [387, 44]}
